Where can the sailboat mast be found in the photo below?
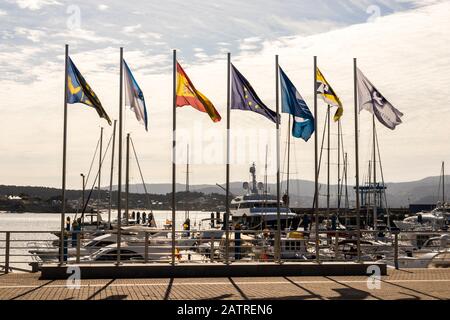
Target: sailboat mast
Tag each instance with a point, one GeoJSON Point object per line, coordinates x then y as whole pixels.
{"type": "Point", "coordinates": [375, 214]}
{"type": "Point", "coordinates": [443, 182]}
{"type": "Point", "coordinates": [328, 162]}
{"type": "Point", "coordinates": [339, 168]}
{"type": "Point", "coordinates": [99, 176]}
{"type": "Point", "coordinates": [112, 172]}
{"type": "Point", "coordinates": [127, 180]}
{"type": "Point", "coordinates": [288, 163]}
{"type": "Point", "coordinates": [187, 179]}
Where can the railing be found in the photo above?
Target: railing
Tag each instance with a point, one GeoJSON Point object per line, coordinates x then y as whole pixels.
{"type": "Point", "coordinates": [27, 250]}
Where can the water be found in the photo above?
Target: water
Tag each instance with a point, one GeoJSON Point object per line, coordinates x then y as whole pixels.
{"type": "Point", "coordinates": [51, 222]}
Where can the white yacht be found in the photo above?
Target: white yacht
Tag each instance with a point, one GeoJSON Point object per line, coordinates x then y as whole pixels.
{"type": "Point", "coordinates": [257, 209]}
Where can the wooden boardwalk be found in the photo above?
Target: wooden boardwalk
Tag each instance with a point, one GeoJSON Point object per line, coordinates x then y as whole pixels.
{"type": "Point", "coordinates": [409, 284]}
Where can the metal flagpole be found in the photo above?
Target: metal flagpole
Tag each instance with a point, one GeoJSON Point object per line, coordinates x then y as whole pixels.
{"type": "Point", "coordinates": [112, 173]}
{"type": "Point", "coordinates": [127, 179]}
{"type": "Point", "coordinates": [358, 222]}
{"type": "Point", "coordinates": [316, 175]}
{"type": "Point", "coordinates": [277, 84]}
{"type": "Point", "coordinates": [227, 190]}
{"type": "Point", "coordinates": [63, 195]}
{"type": "Point", "coordinates": [174, 119]}
{"type": "Point", "coordinates": [99, 176]}
{"type": "Point", "coordinates": [119, 181]}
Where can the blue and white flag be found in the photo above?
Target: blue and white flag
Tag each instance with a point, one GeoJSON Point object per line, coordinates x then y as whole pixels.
{"type": "Point", "coordinates": [134, 98]}
{"type": "Point", "coordinates": [293, 103]}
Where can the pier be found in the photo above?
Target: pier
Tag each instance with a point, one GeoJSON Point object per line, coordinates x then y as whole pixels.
{"type": "Point", "coordinates": [412, 284]}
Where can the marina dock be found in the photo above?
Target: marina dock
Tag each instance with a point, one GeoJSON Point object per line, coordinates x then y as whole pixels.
{"type": "Point", "coordinates": [411, 284]}
{"type": "Point", "coordinates": [196, 270]}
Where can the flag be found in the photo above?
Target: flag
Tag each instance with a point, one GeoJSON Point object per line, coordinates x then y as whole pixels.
{"type": "Point", "coordinates": [293, 103]}
{"type": "Point", "coordinates": [243, 96]}
{"type": "Point", "coordinates": [187, 95]}
{"type": "Point", "coordinates": [328, 94]}
{"type": "Point", "coordinates": [134, 97]}
{"type": "Point", "coordinates": [373, 101]}
{"type": "Point", "coordinates": [80, 91]}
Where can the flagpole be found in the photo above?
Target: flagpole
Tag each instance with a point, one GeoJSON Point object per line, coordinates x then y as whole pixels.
{"type": "Point", "coordinates": [119, 181]}
{"type": "Point", "coordinates": [99, 175]}
{"type": "Point", "coordinates": [63, 195]}
{"type": "Point", "coordinates": [316, 176]}
{"type": "Point", "coordinates": [227, 192]}
{"type": "Point", "coordinates": [127, 179]}
{"type": "Point", "coordinates": [358, 222]}
{"type": "Point", "coordinates": [174, 119]}
{"type": "Point", "coordinates": [277, 93]}
{"type": "Point", "coordinates": [112, 173]}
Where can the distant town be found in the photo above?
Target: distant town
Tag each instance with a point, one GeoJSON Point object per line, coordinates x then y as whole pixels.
{"type": "Point", "coordinates": [48, 200]}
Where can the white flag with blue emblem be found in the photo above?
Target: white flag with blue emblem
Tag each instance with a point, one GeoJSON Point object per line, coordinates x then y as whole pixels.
{"type": "Point", "coordinates": [373, 101]}
{"type": "Point", "coordinates": [134, 98]}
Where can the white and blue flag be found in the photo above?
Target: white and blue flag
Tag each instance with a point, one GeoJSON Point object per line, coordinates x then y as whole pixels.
{"type": "Point", "coordinates": [134, 98]}
{"type": "Point", "coordinates": [293, 103]}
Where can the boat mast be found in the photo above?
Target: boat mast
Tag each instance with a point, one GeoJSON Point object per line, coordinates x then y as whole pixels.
{"type": "Point", "coordinates": [127, 179]}
{"type": "Point", "coordinates": [186, 216]}
{"type": "Point", "coordinates": [112, 173]}
{"type": "Point", "coordinates": [328, 162]}
{"type": "Point", "coordinates": [375, 214]}
{"type": "Point", "coordinates": [339, 168]}
{"type": "Point", "coordinates": [99, 176]}
{"type": "Point", "coordinates": [288, 163]}
{"type": "Point", "coordinates": [443, 183]}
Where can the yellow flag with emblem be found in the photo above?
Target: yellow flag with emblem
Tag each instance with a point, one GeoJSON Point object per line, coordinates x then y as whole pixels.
{"type": "Point", "coordinates": [328, 95]}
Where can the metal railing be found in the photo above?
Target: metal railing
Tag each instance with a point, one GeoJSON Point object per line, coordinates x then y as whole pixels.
{"type": "Point", "coordinates": [401, 250]}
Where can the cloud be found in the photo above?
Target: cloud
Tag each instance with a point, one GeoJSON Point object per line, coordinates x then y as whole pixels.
{"type": "Point", "coordinates": [102, 7]}
{"type": "Point", "coordinates": [36, 4]}
{"type": "Point", "coordinates": [30, 34]}
{"type": "Point", "coordinates": [131, 29]}
{"type": "Point", "coordinates": [404, 53]}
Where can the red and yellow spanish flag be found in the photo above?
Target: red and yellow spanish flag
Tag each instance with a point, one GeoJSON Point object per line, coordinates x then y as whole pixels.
{"type": "Point", "coordinates": [187, 95]}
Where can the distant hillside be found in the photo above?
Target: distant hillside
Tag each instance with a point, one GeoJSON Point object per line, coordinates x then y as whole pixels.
{"type": "Point", "coordinates": [399, 194]}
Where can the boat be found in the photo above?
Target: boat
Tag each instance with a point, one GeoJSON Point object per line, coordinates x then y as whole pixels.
{"type": "Point", "coordinates": [257, 209]}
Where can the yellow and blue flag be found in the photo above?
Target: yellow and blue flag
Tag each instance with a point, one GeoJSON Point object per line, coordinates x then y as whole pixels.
{"type": "Point", "coordinates": [328, 94]}
{"type": "Point", "coordinates": [243, 96]}
{"type": "Point", "coordinates": [78, 91]}
{"type": "Point", "coordinates": [293, 103]}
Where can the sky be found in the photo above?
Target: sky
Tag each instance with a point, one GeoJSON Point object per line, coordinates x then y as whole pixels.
{"type": "Point", "coordinates": [402, 46]}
